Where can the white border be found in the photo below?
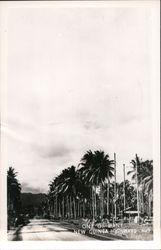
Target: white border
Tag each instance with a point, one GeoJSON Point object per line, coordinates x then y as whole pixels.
{"type": "Point", "coordinates": [155, 66]}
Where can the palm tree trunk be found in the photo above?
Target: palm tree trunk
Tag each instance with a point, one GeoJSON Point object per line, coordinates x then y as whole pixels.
{"type": "Point", "coordinates": [149, 201]}
{"type": "Point", "coordinates": [93, 207]}
{"type": "Point", "coordinates": [59, 215]}
{"type": "Point", "coordinates": [56, 206]}
{"type": "Point", "coordinates": [63, 207]}
{"type": "Point", "coordinates": [90, 203]}
{"type": "Point", "coordinates": [77, 208]}
{"type": "Point", "coordinates": [101, 201]}
{"type": "Point", "coordinates": [71, 212]}
{"type": "Point", "coordinates": [84, 214]}
{"type": "Point", "coordinates": [80, 210]}
{"type": "Point", "coordinates": [53, 207]}
{"type": "Point", "coordinates": [67, 207]}
{"type": "Point", "coordinates": [142, 200]}
{"type": "Point", "coordinates": [95, 202]}
{"type": "Point", "coordinates": [74, 208]}
{"type": "Point", "coordinates": [108, 195]}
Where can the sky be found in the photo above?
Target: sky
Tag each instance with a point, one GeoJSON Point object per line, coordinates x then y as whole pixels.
{"type": "Point", "coordinates": [78, 79]}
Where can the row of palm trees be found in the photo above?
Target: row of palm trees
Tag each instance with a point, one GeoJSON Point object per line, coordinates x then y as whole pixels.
{"type": "Point", "coordinates": [90, 189]}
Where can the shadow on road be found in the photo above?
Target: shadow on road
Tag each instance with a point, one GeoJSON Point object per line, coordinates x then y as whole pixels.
{"type": "Point", "coordinates": [17, 236]}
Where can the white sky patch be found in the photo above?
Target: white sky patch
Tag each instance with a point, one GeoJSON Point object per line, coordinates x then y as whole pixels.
{"type": "Point", "coordinates": [78, 79]}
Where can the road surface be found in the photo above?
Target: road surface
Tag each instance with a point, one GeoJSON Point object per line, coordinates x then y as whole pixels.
{"type": "Point", "coordinates": [40, 229]}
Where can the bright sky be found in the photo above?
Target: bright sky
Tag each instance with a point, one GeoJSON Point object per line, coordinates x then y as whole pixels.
{"type": "Point", "coordinates": [78, 79]}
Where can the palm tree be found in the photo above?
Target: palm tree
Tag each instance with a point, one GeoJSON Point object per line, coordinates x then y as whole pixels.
{"type": "Point", "coordinates": [97, 169]}
{"type": "Point", "coordinates": [87, 162]}
{"type": "Point", "coordinates": [53, 194]}
{"type": "Point", "coordinates": [13, 195]}
{"type": "Point", "coordinates": [136, 174]}
{"type": "Point", "coordinates": [142, 172]}
{"type": "Point", "coordinates": [67, 190]}
{"type": "Point", "coordinates": [70, 188]}
{"type": "Point", "coordinates": [130, 195]}
{"type": "Point", "coordinates": [13, 189]}
{"type": "Point", "coordinates": [147, 176]}
{"type": "Point", "coordinates": [136, 171]}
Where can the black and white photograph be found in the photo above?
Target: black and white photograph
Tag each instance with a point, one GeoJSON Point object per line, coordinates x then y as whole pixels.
{"type": "Point", "coordinates": [80, 122]}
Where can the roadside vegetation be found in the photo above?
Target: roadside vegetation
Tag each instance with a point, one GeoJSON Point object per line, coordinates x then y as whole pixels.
{"type": "Point", "coordinates": [88, 197]}
{"type": "Point", "coordinates": [89, 189]}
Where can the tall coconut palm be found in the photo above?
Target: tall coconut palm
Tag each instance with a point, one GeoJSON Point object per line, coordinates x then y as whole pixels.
{"type": "Point", "coordinates": [136, 174]}
{"type": "Point", "coordinates": [87, 162]}
{"type": "Point", "coordinates": [147, 177]}
{"type": "Point", "coordinates": [143, 173]}
{"type": "Point", "coordinates": [97, 169]}
{"type": "Point", "coordinates": [137, 165]}
{"type": "Point", "coordinates": [70, 188]}
{"type": "Point", "coordinates": [53, 195]}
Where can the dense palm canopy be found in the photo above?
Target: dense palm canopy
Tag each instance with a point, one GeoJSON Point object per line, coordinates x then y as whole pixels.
{"type": "Point", "coordinates": [97, 167]}
{"type": "Point", "coordinates": [79, 187]}
{"type": "Point", "coordinates": [89, 190]}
